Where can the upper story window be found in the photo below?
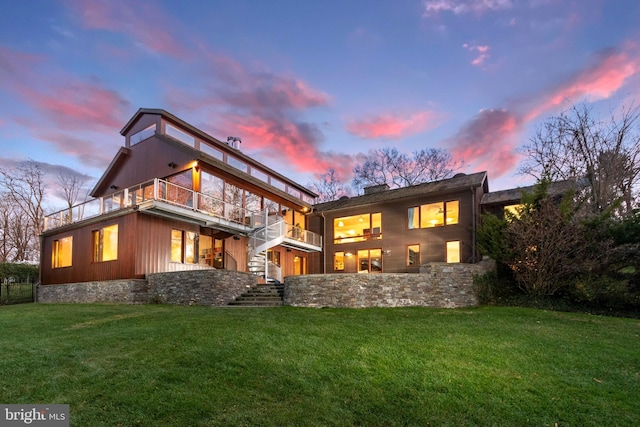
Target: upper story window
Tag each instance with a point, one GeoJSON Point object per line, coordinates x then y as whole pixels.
{"type": "Point", "coordinates": [61, 253]}
{"type": "Point", "coordinates": [105, 244]}
{"type": "Point", "coordinates": [357, 228]}
{"type": "Point", "coordinates": [434, 214]}
{"type": "Point", "coordinates": [142, 135]}
{"type": "Point", "coordinates": [181, 136]}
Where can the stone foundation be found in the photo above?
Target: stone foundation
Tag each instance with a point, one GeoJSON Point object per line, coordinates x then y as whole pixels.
{"type": "Point", "coordinates": [437, 285]}
{"type": "Point", "coordinates": [205, 287]}
{"type": "Point", "coordinates": [129, 291]}
{"type": "Point", "coordinates": [195, 287]}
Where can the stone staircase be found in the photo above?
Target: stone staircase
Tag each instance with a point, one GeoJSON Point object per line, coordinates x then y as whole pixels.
{"type": "Point", "coordinates": [261, 295]}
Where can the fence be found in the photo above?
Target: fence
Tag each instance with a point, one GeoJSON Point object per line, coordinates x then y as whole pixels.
{"type": "Point", "coordinates": [17, 291]}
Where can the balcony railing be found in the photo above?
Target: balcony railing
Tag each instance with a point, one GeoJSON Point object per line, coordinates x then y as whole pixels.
{"type": "Point", "coordinates": [158, 190]}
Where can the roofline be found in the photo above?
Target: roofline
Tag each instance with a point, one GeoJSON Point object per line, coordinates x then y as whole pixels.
{"type": "Point", "coordinates": [483, 183]}
{"type": "Point", "coordinates": [206, 136]}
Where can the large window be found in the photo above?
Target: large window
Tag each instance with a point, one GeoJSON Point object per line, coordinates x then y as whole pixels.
{"type": "Point", "coordinates": [370, 261]}
{"type": "Point", "coordinates": [453, 251]}
{"type": "Point", "coordinates": [433, 214]}
{"type": "Point", "coordinates": [357, 228]}
{"type": "Point", "coordinates": [61, 253]}
{"type": "Point", "coordinates": [413, 255]}
{"type": "Point", "coordinates": [105, 244]}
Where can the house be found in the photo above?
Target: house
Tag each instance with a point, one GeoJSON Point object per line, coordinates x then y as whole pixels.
{"type": "Point", "coordinates": [178, 206]}
{"type": "Point", "coordinates": [173, 199]}
{"type": "Point", "coordinates": [396, 230]}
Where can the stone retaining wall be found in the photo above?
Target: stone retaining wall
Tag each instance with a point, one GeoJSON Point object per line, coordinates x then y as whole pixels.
{"type": "Point", "coordinates": [437, 285]}
{"type": "Point", "coordinates": [203, 287]}
{"type": "Point", "coordinates": [195, 287]}
{"type": "Point", "coordinates": [130, 291]}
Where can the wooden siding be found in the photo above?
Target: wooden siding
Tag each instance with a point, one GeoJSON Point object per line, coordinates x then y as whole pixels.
{"type": "Point", "coordinates": [83, 268]}
{"type": "Point", "coordinates": [396, 235]}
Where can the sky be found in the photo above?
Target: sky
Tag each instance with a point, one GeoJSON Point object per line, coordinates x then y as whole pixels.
{"type": "Point", "coordinates": [311, 85]}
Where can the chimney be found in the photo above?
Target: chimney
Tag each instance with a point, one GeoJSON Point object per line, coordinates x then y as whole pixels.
{"type": "Point", "coordinates": [376, 189]}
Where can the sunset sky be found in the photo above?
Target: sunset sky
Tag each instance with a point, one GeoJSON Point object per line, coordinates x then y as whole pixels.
{"type": "Point", "coordinates": [310, 85]}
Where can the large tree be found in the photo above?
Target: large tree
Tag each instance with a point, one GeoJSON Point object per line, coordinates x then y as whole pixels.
{"type": "Point", "coordinates": [24, 187]}
{"type": "Point", "coordinates": [389, 166]}
{"type": "Point", "coordinates": [330, 187]}
{"type": "Point", "coordinates": [601, 156]}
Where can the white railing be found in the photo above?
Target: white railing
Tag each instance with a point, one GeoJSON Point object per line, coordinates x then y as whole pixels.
{"type": "Point", "coordinates": [167, 192]}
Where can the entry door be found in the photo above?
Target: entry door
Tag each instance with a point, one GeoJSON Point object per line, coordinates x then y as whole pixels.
{"type": "Point", "coordinates": [370, 261]}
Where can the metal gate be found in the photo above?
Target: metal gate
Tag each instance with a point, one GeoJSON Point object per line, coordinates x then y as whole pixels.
{"type": "Point", "coordinates": [16, 291]}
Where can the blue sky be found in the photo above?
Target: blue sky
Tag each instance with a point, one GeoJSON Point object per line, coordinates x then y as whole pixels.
{"type": "Point", "coordinates": [311, 85]}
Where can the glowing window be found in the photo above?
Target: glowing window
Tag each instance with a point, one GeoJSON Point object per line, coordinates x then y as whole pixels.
{"type": "Point", "coordinates": [453, 251]}
{"type": "Point", "coordinates": [61, 253]}
{"type": "Point", "coordinates": [338, 261]}
{"type": "Point", "coordinates": [357, 228]}
{"type": "Point", "coordinates": [105, 244]}
{"type": "Point", "coordinates": [452, 210]}
{"type": "Point", "coordinates": [176, 245]}
{"type": "Point", "coordinates": [413, 255]}
{"type": "Point", "coordinates": [370, 261]}
{"type": "Point", "coordinates": [432, 215]}
{"type": "Point", "coordinates": [513, 211]}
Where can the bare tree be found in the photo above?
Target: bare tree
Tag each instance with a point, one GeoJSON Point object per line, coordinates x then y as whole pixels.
{"type": "Point", "coordinates": [388, 166]}
{"type": "Point", "coordinates": [603, 155]}
{"type": "Point", "coordinates": [25, 189]}
{"type": "Point", "coordinates": [72, 186]}
{"type": "Point", "coordinates": [329, 187]}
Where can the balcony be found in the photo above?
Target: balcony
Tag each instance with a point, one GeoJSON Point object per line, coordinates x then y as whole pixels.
{"type": "Point", "coordinates": [163, 198]}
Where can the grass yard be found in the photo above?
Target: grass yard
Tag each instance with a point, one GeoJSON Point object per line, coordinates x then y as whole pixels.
{"type": "Point", "coordinates": [195, 366]}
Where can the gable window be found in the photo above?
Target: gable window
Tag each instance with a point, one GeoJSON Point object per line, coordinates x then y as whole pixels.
{"type": "Point", "coordinates": [453, 251]}
{"type": "Point", "coordinates": [105, 244]}
{"type": "Point", "coordinates": [61, 253]}
{"type": "Point", "coordinates": [357, 228]}
{"type": "Point", "coordinates": [433, 214]}
{"type": "Point", "coordinates": [413, 255]}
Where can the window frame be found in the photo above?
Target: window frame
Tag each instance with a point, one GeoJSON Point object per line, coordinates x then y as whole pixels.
{"type": "Point", "coordinates": [416, 215]}
{"type": "Point", "coordinates": [97, 237]}
{"type": "Point", "coordinates": [56, 252]}
{"type": "Point", "coordinates": [408, 256]}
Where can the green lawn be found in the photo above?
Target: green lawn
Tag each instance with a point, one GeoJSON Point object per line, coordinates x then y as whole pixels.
{"type": "Point", "coordinates": [195, 366]}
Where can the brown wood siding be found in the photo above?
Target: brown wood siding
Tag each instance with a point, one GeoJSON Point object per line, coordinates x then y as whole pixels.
{"type": "Point", "coordinates": [147, 160]}
{"type": "Point", "coordinates": [396, 235]}
{"type": "Point", "coordinates": [83, 268]}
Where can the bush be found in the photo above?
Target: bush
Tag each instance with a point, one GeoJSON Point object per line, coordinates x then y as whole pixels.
{"type": "Point", "coordinates": [23, 272]}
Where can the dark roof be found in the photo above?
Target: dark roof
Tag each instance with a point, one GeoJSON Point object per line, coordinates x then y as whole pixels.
{"type": "Point", "coordinates": [450, 185]}
{"type": "Point", "coordinates": [514, 195]}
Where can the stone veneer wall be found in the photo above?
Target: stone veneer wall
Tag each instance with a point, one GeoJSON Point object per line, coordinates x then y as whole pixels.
{"type": "Point", "coordinates": [131, 291]}
{"type": "Point", "coordinates": [199, 287]}
{"type": "Point", "coordinates": [195, 287]}
{"type": "Point", "coordinates": [437, 285]}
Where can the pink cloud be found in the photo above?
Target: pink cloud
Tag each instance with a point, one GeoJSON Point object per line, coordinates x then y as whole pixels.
{"type": "Point", "coordinates": [608, 73]}
{"type": "Point", "coordinates": [265, 109]}
{"type": "Point", "coordinates": [393, 126]}
{"type": "Point", "coordinates": [483, 53]}
{"type": "Point", "coordinates": [488, 142]}
{"type": "Point", "coordinates": [143, 22]}
{"type": "Point", "coordinates": [64, 111]}
{"type": "Point", "coordinates": [433, 7]}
